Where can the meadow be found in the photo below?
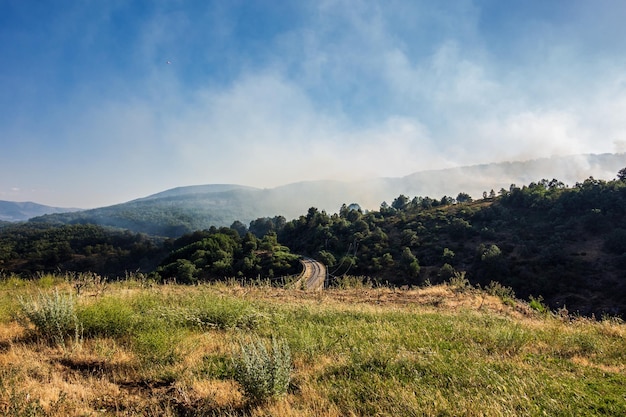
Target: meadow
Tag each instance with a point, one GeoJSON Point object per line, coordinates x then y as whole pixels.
{"type": "Point", "coordinates": [86, 347]}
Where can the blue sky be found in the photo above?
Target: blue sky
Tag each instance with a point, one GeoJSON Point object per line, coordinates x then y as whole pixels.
{"type": "Point", "coordinates": [105, 101]}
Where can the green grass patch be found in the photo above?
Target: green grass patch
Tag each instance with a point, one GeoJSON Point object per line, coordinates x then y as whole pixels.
{"type": "Point", "coordinates": [159, 346]}
{"type": "Point", "coordinates": [108, 317]}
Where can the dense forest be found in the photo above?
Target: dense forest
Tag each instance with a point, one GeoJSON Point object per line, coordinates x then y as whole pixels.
{"type": "Point", "coordinates": [28, 248]}
{"type": "Point", "coordinates": [565, 244]}
{"type": "Point", "coordinates": [223, 253]}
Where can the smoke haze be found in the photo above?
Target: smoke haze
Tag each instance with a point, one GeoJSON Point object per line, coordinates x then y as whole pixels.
{"type": "Point", "coordinates": [106, 102]}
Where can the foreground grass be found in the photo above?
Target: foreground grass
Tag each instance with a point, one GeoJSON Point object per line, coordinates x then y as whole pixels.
{"type": "Point", "coordinates": [168, 351]}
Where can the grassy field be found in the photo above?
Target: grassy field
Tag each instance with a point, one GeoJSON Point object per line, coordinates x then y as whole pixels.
{"type": "Point", "coordinates": [136, 349]}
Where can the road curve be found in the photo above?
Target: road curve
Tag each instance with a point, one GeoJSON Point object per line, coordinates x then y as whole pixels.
{"type": "Point", "coordinates": [313, 275]}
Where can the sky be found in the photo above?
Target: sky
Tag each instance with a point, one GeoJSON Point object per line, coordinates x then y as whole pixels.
{"type": "Point", "coordinates": [102, 102]}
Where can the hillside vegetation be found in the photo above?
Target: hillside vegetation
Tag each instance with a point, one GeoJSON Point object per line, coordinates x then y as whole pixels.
{"type": "Point", "coordinates": [182, 210]}
{"type": "Point", "coordinates": [566, 245]}
{"type": "Point", "coordinates": [135, 348]}
{"type": "Point", "coordinates": [30, 248]}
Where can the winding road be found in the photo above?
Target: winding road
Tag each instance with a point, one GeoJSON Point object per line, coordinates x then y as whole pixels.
{"type": "Point", "coordinates": [313, 275]}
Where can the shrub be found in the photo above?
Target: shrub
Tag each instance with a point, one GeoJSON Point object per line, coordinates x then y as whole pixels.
{"type": "Point", "coordinates": [459, 283]}
{"type": "Point", "coordinates": [446, 272]}
{"type": "Point", "coordinates": [263, 374]}
{"type": "Point", "coordinates": [538, 305]}
{"type": "Point", "coordinates": [496, 289]}
{"type": "Point", "coordinates": [53, 315]}
{"type": "Point", "coordinates": [350, 281]}
{"type": "Point", "coordinates": [87, 280]}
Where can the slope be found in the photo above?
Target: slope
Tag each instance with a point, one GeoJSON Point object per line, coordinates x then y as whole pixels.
{"type": "Point", "coordinates": [184, 209]}
{"type": "Point", "coordinates": [11, 211]}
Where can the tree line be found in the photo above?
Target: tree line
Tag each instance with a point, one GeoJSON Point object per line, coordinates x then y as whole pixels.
{"type": "Point", "coordinates": [567, 244]}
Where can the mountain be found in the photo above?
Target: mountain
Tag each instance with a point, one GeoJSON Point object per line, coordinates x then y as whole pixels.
{"type": "Point", "coordinates": [478, 178]}
{"type": "Point", "coordinates": [173, 212]}
{"type": "Point", "coordinates": [181, 210]}
{"type": "Point", "coordinates": [195, 190]}
{"type": "Point", "coordinates": [16, 212]}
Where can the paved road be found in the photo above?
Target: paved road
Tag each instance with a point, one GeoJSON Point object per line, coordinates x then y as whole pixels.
{"type": "Point", "coordinates": [313, 275]}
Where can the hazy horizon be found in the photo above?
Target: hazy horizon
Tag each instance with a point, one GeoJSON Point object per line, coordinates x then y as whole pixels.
{"type": "Point", "coordinates": [105, 102]}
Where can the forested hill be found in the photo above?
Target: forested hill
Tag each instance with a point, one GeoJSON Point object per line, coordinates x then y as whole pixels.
{"type": "Point", "coordinates": [565, 244]}
{"type": "Point", "coordinates": [30, 248]}
{"type": "Point", "coordinates": [171, 214]}
{"type": "Point", "coordinates": [175, 212]}
{"type": "Point", "coordinates": [544, 239]}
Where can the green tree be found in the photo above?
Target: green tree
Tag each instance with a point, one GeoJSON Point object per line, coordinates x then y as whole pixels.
{"type": "Point", "coordinates": [448, 255]}
{"type": "Point", "coordinates": [491, 253]}
{"type": "Point", "coordinates": [459, 228]}
{"type": "Point", "coordinates": [239, 227]}
{"type": "Point", "coordinates": [446, 201]}
{"type": "Point", "coordinates": [185, 271]}
{"type": "Point", "coordinates": [463, 198]}
{"type": "Point", "coordinates": [269, 241]}
{"type": "Point", "coordinates": [326, 258]}
{"type": "Point", "coordinates": [410, 265]}
{"type": "Point", "coordinates": [400, 202]}
{"type": "Point", "coordinates": [446, 272]}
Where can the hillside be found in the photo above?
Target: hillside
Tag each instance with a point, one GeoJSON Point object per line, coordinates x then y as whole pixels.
{"type": "Point", "coordinates": [175, 212]}
{"type": "Point", "coordinates": [485, 177]}
{"type": "Point", "coordinates": [32, 248]}
{"type": "Point", "coordinates": [168, 350]}
{"type": "Point", "coordinates": [544, 239]}
{"type": "Point", "coordinates": [11, 211]}
{"type": "Point", "coordinates": [567, 245]}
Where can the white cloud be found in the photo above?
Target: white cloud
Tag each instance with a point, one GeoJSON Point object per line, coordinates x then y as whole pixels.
{"type": "Point", "coordinates": [354, 90]}
{"type": "Point", "coordinates": [265, 131]}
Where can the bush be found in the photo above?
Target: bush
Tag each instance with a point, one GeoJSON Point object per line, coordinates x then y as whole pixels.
{"type": "Point", "coordinates": [538, 305]}
{"type": "Point", "coordinates": [446, 272]}
{"type": "Point", "coordinates": [496, 289]}
{"type": "Point", "coordinates": [459, 283]}
{"type": "Point", "coordinates": [263, 374]}
{"type": "Point", "coordinates": [345, 282]}
{"type": "Point", "coordinates": [53, 315]}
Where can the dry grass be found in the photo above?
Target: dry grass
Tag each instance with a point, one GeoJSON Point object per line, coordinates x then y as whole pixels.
{"type": "Point", "coordinates": [427, 351]}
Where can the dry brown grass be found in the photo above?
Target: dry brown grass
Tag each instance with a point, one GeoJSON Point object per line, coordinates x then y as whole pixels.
{"type": "Point", "coordinates": [104, 376]}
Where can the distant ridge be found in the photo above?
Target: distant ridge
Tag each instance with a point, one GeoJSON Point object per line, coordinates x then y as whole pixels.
{"type": "Point", "coordinates": [11, 211]}
{"type": "Point", "coordinates": [181, 210]}
{"type": "Point", "coordinates": [475, 179]}
{"type": "Point", "coordinates": [196, 189]}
